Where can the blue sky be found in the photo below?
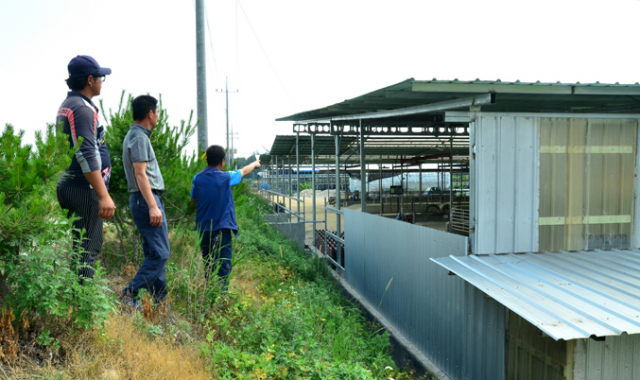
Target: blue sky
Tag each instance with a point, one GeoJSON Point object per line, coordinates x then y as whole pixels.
{"type": "Point", "coordinates": [317, 52]}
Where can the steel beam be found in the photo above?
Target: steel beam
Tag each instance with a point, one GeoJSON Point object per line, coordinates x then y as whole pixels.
{"type": "Point", "coordinates": [447, 105]}
{"type": "Point", "coordinates": [384, 128]}
{"type": "Point", "coordinates": [313, 186]}
{"type": "Point", "coordinates": [298, 172]}
{"type": "Point", "coordinates": [338, 200]}
{"type": "Point", "coordinates": [363, 171]}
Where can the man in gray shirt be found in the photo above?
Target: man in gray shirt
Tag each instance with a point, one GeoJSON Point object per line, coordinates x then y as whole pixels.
{"type": "Point", "coordinates": [146, 186]}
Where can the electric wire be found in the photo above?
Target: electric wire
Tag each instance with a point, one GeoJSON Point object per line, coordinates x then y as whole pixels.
{"type": "Point", "coordinates": [266, 56]}
{"type": "Point", "coordinates": [206, 16]}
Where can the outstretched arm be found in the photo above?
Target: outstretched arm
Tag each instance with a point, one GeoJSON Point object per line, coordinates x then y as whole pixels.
{"type": "Point", "coordinates": [249, 168]}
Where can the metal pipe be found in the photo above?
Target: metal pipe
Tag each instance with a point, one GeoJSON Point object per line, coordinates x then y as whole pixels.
{"type": "Point", "coordinates": [420, 185]}
{"type": "Point", "coordinates": [401, 186]}
{"type": "Point", "coordinates": [338, 226]}
{"type": "Point", "coordinates": [277, 189]}
{"type": "Point", "coordinates": [420, 174]}
{"type": "Point", "coordinates": [363, 171]}
{"type": "Point", "coordinates": [450, 183]}
{"type": "Point", "coordinates": [326, 227]}
{"type": "Point", "coordinates": [203, 132]}
{"type": "Point", "coordinates": [298, 170]}
{"type": "Point", "coordinates": [380, 184]}
{"type": "Point", "coordinates": [289, 192]}
{"type": "Point", "coordinates": [313, 185]}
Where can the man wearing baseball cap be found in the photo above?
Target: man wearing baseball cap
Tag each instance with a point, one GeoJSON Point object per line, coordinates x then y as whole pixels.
{"type": "Point", "coordinates": [82, 189]}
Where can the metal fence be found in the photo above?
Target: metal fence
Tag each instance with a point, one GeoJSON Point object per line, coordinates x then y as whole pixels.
{"type": "Point", "coordinates": [387, 262]}
{"type": "Point", "coordinates": [460, 220]}
{"type": "Point", "coordinates": [285, 203]}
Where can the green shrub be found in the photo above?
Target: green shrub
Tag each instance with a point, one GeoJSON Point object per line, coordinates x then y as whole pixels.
{"type": "Point", "coordinates": [306, 186]}
{"type": "Point", "coordinates": [27, 204]}
{"type": "Point", "coordinates": [36, 251]}
{"type": "Point", "coordinates": [45, 286]}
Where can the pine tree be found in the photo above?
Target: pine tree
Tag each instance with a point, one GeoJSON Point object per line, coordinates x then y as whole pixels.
{"type": "Point", "coordinates": [28, 177]}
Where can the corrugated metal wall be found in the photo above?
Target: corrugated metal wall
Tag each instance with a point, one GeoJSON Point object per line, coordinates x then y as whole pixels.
{"type": "Point", "coordinates": [504, 168]}
{"type": "Point", "coordinates": [387, 262]}
{"type": "Point", "coordinates": [532, 355]}
{"type": "Point", "coordinates": [617, 358]}
{"type": "Point", "coordinates": [484, 337]}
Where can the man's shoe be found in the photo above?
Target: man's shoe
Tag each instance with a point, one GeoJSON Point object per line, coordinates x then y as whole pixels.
{"type": "Point", "coordinates": [132, 302]}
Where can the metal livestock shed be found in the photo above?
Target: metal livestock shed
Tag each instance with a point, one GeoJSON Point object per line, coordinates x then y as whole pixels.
{"type": "Point", "coordinates": [554, 168]}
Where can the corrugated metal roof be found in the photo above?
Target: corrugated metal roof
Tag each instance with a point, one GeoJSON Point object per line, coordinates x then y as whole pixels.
{"type": "Point", "coordinates": [284, 145]}
{"type": "Point", "coordinates": [511, 97]}
{"type": "Point", "coordinates": [536, 83]}
{"type": "Point", "coordinates": [568, 295]}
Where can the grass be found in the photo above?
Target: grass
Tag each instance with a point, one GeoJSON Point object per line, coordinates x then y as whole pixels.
{"type": "Point", "coordinates": [296, 324]}
{"type": "Point", "coordinates": [284, 318]}
{"type": "Point", "coordinates": [128, 351]}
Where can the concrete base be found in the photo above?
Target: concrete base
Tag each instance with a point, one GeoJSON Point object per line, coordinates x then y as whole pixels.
{"type": "Point", "coordinates": [276, 218]}
{"type": "Point", "coordinates": [294, 231]}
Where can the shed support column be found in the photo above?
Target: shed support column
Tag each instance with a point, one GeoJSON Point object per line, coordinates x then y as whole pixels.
{"type": "Point", "coordinates": [338, 247]}
{"type": "Point", "coordinates": [366, 168]}
{"type": "Point", "coordinates": [450, 181]}
{"type": "Point", "coordinates": [289, 192]}
{"type": "Point", "coordinates": [313, 185]}
{"type": "Point", "coordinates": [363, 171]}
{"type": "Point", "coordinates": [420, 185]}
{"type": "Point", "coordinates": [269, 173]}
{"type": "Point", "coordinates": [298, 173]}
{"type": "Point", "coordinates": [401, 187]}
{"type": "Point", "coordinates": [380, 184]}
{"type": "Point", "coordinates": [420, 174]}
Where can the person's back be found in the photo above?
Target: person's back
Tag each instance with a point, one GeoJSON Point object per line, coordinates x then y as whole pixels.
{"type": "Point", "coordinates": [215, 214]}
{"type": "Point", "coordinates": [215, 207]}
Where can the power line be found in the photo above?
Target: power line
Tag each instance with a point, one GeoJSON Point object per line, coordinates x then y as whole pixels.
{"type": "Point", "coordinates": [206, 15]}
{"type": "Point", "coordinates": [266, 56]}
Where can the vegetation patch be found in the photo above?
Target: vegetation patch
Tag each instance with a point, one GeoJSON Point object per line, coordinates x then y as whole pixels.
{"type": "Point", "coordinates": [283, 318]}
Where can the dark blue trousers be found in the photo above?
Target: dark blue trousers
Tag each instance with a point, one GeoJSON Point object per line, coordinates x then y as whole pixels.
{"type": "Point", "coordinates": [155, 244]}
{"type": "Point", "coordinates": [217, 250]}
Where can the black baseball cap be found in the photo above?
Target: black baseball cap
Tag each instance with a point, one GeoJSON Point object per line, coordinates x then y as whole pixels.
{"type": "Point", "coordinates": [83, 65]}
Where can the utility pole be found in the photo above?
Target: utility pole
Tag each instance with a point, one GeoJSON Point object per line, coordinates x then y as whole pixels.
{"type": "Point", "coordinates": [203, 131]}
{"type": "Point", "coordinates": [233, 151]}
{"type": "Point", "coordinates": [226, 91]}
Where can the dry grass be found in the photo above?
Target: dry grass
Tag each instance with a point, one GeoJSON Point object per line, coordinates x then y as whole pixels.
{"type": "Point", "coordinates": [128, 353]}
{"type": "Point", "coordinates": [8, 336]}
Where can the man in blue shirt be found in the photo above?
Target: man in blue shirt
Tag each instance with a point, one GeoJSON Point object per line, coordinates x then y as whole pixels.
{"type": "Point", "coordinates": [215, 211]}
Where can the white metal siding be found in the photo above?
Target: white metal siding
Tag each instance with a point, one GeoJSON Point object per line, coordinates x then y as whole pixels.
{"type": "Point", "coordinates": [504, 166]}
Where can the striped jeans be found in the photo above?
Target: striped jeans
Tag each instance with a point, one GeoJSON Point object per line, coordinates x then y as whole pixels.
{"type": "Point", "coordinates": [84, 204]}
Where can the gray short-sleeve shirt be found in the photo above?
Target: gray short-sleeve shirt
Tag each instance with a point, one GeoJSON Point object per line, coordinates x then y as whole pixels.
{"type": "Point", "coordinates": [137, 148]}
